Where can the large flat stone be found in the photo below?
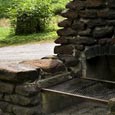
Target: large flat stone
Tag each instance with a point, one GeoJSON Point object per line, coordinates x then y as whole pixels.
{"type": "Point", "coordinates": [18, 73]}
{"type": "Point", "coordinates": [47, 65]}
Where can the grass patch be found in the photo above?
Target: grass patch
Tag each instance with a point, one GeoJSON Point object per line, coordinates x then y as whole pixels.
{"type": "Point", "coordinates": [8, 38]}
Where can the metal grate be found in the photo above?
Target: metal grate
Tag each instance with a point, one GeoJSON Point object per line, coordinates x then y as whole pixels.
{"type": "Point", "coordinates": [97, 89]}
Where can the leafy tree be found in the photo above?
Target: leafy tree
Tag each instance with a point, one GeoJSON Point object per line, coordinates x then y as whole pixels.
{"type": "Point", "coordinates": [4, 5]}
{"type": "Point", "coordinates": [58, 5]}
{"type": "Point", "coordinates": [30, 16]}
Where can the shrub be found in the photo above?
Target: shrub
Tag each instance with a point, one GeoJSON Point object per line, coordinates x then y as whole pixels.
{"type": "Point", "coordinates": [58, 5]}
{"type": "Point", "coordinates": [30, 16]}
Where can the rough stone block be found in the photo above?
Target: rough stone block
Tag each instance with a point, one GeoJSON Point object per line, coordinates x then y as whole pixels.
{"type": "Point", "coordinates": [80, 47]}
{"type": "Point", "coordinates": [65, 23]}
{"type": "Point", "coordinates": [69, 60]}
{"type": "Point", "coordinates": [86, 32]}
{"type": "Point", "coordinates": [83, 40]}
{"type": "Point", "coordinates": [76, 5]}
{"type": "Point", "coordinates": [95, 3]}
{"type": "Point", "coordinates": [96, 22]}
{"type": "Point", "coordinates": [18, 110]}
{"type": "Point", "coordinates": [65, 49]}
{"type": "Point", "coordinates": [90, 52]}
{"type": "Point", "coordinates": [62, 40]}
{"type": "Point", "coordinates": [6, 87]}
{"type": "Point", "coordinates": [78, 25]}
{"type": "Point", "coordinates": [47, 65]}
{"type": "Point", "coordinates": [106, 13]}
{"type": "Point", "coordinates": [27, 90]}
{"type": "Point", "coordinates": [91, 14]}
{"type": "Point", "coordinates": [103, 32]}
{"type": "Point", "coordinates": [18, 73]}
{"type": "Point", "coordinates": [5, 107]}
{"type": "Point", "coordinates": [71, 14]}
{"type": "Point", "coordinates": [66, 32]}
{"type": "Point", "coordinates": [111, 3]}
{"type": "Point", "coordinates": [111, 22]}
{"type": "Point", "coordinates": [22, 100]}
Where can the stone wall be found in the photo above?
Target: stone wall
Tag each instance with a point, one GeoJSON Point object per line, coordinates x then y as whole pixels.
{"type": "Point", "coordinates": [18, 94]}
{"type": "Point", "coordinates": [20, 85]}
{"type": "Point", "coordinates": [88, 31]}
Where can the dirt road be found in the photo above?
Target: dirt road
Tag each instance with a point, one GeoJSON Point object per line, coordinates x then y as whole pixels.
{"type": "Point", "coordinates": [25, 52]}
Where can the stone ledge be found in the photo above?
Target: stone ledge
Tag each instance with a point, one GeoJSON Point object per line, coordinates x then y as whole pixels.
{"type": "Point", "coordinates": [47, 65]}
{"type": "Point", "coordinates": [18, 73]}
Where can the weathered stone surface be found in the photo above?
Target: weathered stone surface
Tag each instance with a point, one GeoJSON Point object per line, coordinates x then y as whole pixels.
{"type": "Point", "coordinates": [80, 47]}
{"type": "Point", "coordinates": [111, 22]}
{"type": "Point", "coordinates": [65, 23]}
{"type": "Point", "coordinates": [69, 60]}
{"type": "Point", "coordinates": [76, 71]}
{"type": "Point", "coordinates": [106, 13]}
{"type": "Point", "coordinates": [5, 107]}
{"type": "Point", "coordinates": [27, 111]}
{"type": "Point", "coordinates": [78, 25]}
{"type": "Point", "coordinates": [86, 32]}
{"type": "Point", "coordinates": [65, 49]}
{"type": "Point", "coordinates": [27, 90]}
{"type": "Point", "coordinates": [66, 32]}
{"type": "Point", "coordinates": [17, 73]}
{"type": "Point", "coordinates": [83, 40]}
{"type": "Point", "coordinates": [95, 3]}
{"type": "Point", "coordinates": [18, 110]}
{"type": "Point", "coordinates": [47, 65]}
{"type": "Point", "coordinates": [91, 14]}
{"type": "Point", "coordinates": [62, 40]}
{"type": "Point", "coordinates": [104, 32]}
{"type": "Point", "coordinates": [96, 22]}
{"type": "Point", "coordinates": [79, 5]}
{"type": "Point", "coordinates": [22, 100]}
{"type": "Point", "coordinates": [111, 3]}
{"type": "Point", "coordinates": [6, 87]}
{"type": "Point", "coordinates": [69, 14]}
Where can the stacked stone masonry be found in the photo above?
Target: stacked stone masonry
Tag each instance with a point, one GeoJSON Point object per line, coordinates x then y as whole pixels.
{"type": "Point", "coordinates": [87, 39]}
{"type": "Point", "coordinates": [18, 94]}
{"type": "Point", "coordinates": [87, 23]}
{"type": "Point", "coordinates": [20, 84]}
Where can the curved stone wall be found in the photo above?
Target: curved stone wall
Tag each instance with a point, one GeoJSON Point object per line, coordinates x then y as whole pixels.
{"type": "Point", "coordinates": [88, 30]}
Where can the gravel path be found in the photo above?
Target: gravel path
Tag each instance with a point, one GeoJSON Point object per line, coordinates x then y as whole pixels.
{"type": "Point", "coordinates": [25, 52]}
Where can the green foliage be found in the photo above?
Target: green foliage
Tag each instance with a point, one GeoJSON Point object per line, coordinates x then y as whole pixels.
{"type": "Point", "coordinates": [4, 5]}
{"type": "Point", "coordinates": [31, 16]}
{"type": "Point", "coordinates": [6, 39]}
{"type": "Point", "coordinates": [58, 5]}
{"type": "Point", "coordinates": [28, 11]}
